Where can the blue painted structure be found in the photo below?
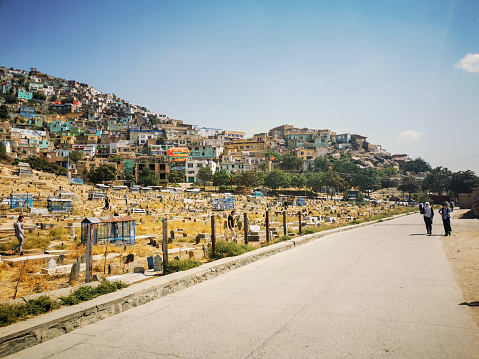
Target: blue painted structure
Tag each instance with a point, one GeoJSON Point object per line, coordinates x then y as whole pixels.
{"type": "Point", "coordinates": [118, 230]}
{"type": "Point", "coordinates": [19, 200]}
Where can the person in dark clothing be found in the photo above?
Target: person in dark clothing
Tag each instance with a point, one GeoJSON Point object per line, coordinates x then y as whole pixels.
{"type": "Point", "coordinates": [421, 208]}
{"type": "Point", "coordinates": [446, 219]}
{"type": "Point", "coordinates": [231, 225]}
{"type": "Point", "coordinates": [452, 206]}
{"type": "Point", "coordinates": [428, 216]}
{"type": "Point", "coordinates": [107, 203]}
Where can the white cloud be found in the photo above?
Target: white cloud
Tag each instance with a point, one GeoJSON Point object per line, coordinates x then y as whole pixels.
{"type": "Point", "coordinates": [469, 63]}
{"type": "Point", "coordinates": [409, 135]}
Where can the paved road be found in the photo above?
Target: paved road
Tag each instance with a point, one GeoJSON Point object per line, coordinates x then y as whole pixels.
{"type": "Point", "coordinates": [382, 291]}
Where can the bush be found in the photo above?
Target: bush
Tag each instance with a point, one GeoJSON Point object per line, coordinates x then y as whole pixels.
{"type": "Point", "coordinates": [309, 230]}
{"type": "Point", "coordinates": [229, 249]}
{"type": "Point", "coordinates": [11, 313]}
{"type": "Point", "coordinates": [83, 294]}
{"type": "Point", "coordinates": [180, 265]}
{"type": "Point", "coordinates": [282, 239]}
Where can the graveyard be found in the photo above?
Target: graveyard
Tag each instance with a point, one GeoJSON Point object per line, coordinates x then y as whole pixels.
{"type": "Point", "coordinates": [129, 237]}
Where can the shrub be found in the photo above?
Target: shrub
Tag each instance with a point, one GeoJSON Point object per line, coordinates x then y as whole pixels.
{"type": "Point", "coordinates": [180, 265]}
{"type": "Point", "coordinates": [11, 313]}
{"type": "Point", "coordinates": [309, 230]}
{"type": "Point", "coordinates": [83, 294]}
{"type": "Point", "coordinates": [229, 249]}
{"type": "Point", "coordinates": [282, 239]}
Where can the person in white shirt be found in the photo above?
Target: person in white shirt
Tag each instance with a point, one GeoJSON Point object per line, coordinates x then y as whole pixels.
{"type": "Point", "coordinates": [428, 216]}
{"type": "Point", "coordinates": [446, 219]}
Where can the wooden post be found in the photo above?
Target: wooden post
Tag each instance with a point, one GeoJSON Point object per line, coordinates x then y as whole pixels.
{"type": "Point", "coordinates": [245, 225]}
{"type": "Point", "coordinates": [300, 226]}
{"type": "Point", "coordinates": [285, 232]}
{"type": "Point", "coordinates": [213, 235]}
{"type": "Point", "coordinates": [267, 227]}
{"type": "Point", "coordinates": [165, 242]}
{"type": "Point", "coordinates": [89, 253]}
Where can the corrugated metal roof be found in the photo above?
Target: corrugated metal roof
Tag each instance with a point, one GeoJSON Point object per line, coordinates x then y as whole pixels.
{"type": "Point", "coordinates": [111, 219]}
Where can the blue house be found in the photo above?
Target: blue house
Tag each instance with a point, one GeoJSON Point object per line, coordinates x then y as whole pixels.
{"type": "Point", "coordinates": [27, 112]}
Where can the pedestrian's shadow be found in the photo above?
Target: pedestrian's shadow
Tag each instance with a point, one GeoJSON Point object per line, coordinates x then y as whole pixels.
{"type": "Point", "coordinates": [470, 304]}
{"type": "Point", "coordinates": [417, 234]}
{"type": "Point", "coordinates": [423, 234]}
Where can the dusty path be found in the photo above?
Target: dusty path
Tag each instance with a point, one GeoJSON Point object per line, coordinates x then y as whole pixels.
{"type": "Point", "coordinates": [462, 250]}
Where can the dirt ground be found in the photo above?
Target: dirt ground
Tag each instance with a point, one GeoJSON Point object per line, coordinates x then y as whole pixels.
{"type": "Point", "coordinates": [462, 250]}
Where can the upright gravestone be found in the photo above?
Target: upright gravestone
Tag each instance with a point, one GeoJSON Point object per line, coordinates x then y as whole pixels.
{"type": "Point", "coordinates": [75, 272]}
{"type": "Point", "coordinates": [158, 263]}
{"type": "Point", "coordinates": [52, 264]}
{"type": "Point", "coordinates": [130, 258]}
{"type": "Point", "coordinates": [60, 259]}
{"type": "Point", "coordinates": [150, 262]}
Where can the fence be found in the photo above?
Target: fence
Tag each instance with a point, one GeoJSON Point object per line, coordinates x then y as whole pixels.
{"type": "Point", "coordinates": [21, 200]}
{"type": "Point", "coordinates": [118, 230]}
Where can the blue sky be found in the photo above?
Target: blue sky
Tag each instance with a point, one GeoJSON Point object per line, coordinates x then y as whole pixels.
{"type": "Point", "coordinates": [389, 70]}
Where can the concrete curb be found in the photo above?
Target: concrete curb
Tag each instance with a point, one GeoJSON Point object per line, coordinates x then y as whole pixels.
{"type": "Point", "coordinates": [22, 335]}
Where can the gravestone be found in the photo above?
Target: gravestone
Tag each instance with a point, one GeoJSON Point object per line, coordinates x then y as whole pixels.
{"type": "Point", "coordinates": [185, 235]}
{"type": "Point", "coordinates": [75, 272]}
{"type": "Point", "coordinates": [130, 258]}
{"type": "Point", "coordinates": [172, 234]}
{"type": "Point", "coordinates": [139, 270]}
{"type": "Point", "coordinates": [158, 263]}
{"type": "Point", "coordinates": [95, 278]}
{"type": "Point", "coordinates": [60, 259]}
{"type": "Point", "coordinates": [150, 262]}
{"type": "Point", "coordinates": [52, 264]}
{"type": "Point", "coordinates": [82, 258]}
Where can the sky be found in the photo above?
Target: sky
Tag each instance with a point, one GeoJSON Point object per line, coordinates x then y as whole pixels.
{"type": "Point", "coordinates": [403, 73]}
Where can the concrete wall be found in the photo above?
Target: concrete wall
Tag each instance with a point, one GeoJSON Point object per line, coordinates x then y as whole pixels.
{"type": "Point", "coordinates": [466, 200]}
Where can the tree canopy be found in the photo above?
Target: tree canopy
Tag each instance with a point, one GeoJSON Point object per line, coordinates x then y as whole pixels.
{"type": "Point", "coordinates": [276, 179]}
{"type": "Point", "coordinates": [104, 172]}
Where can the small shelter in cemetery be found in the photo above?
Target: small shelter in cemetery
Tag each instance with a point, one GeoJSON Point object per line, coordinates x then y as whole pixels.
{"type": "Point", "coordinates": [118, 230]}
{"type": "Point", "coordinates": [59, 205]}
{"type": "Point", "coordinates": [21, 200]}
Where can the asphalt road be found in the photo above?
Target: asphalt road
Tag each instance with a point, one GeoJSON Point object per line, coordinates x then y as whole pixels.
{"type": "Point", "coordinates": [381, 291]}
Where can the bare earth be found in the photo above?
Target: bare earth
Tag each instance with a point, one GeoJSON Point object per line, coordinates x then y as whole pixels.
{"type": "Point", "coordinates": [462, 250]}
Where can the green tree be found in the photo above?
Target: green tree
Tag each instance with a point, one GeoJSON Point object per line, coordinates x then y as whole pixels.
{"type": "Point", "coordinates": [388, 171]}
{"type": "Point", "coordinates": [291, 163]}
{"type": "Point", "coordinates": [316, 181]}
{"type": "Point", "coordinates": [273, 156]}
{"type": "Point", "coordinates": [366, 179]}
{"type": "Point", "coordinates": [409, 185]}
{"type": "Point", "coordinates": [4, 113]}
{"type": "Point", "coordinates": [463, 182]}
{"type": "Point", "coordinates": [417, 165]}
{"type": "Point", "coordinates": [333, 180]}
{"type": "Point", "coordinates": [205, 174]}
{"type": "Point", "coordinates": [437, 180]}
{"type": "Point", "coordinates": [102, 173]}
{"type": "Point", "coordinates": [160, 141]}
{"type": "Point", "coordinates": [221, 178]}
{"type": "Point", "coordinates": [3, 152]}
{"type": "Point", "coordinates": [321, 164]}
{"type": "Point", "coordinates": [249, 178]}
{"type": "Point", "coordinates": [115, 158]}
{"type": "Point", "coordinates": [276, 179]}
{"type": "Point", "coordinates": [75, 156]}
{"type": "Point", "coordinates": [176, 176]}
{"type": "Point", "coordinates": [298, 181]}
{"type": "Point", "coordinates": [147, 177]}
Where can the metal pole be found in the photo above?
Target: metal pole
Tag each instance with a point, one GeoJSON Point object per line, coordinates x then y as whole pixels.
{"type": "Point", "coordinates": [267, 227]}
{"type": "Point", "coordinates": [89, 252]}
{"type": "Point", "coordinates": [284, 223]}
{"type": "Point", "coordinates": [165, 242]}
{"type": "Point", "coordinates": [245, 216]}
{"type": "Point", "coordinates": [213, 235]}
{"type": "Point", "coordinates": [300, 225]}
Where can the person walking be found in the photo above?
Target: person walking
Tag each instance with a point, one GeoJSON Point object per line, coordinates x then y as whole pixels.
{"type": "Point", "coordinates": [421, 208]}
{"type": "Point", "coordinates": [428, 216]}
{"type": "Point", "coordinates": [231, 225]}
{"type": "Point", "coordinates": [20, 234]}
{"type": "Point", "coordinates": [452, 206]}
{"type": "Point", "coordinates": [445, 213]}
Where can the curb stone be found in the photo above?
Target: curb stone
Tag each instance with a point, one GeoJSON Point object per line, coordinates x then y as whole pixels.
{"type": "Point", "coordinates": [22, 335]}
